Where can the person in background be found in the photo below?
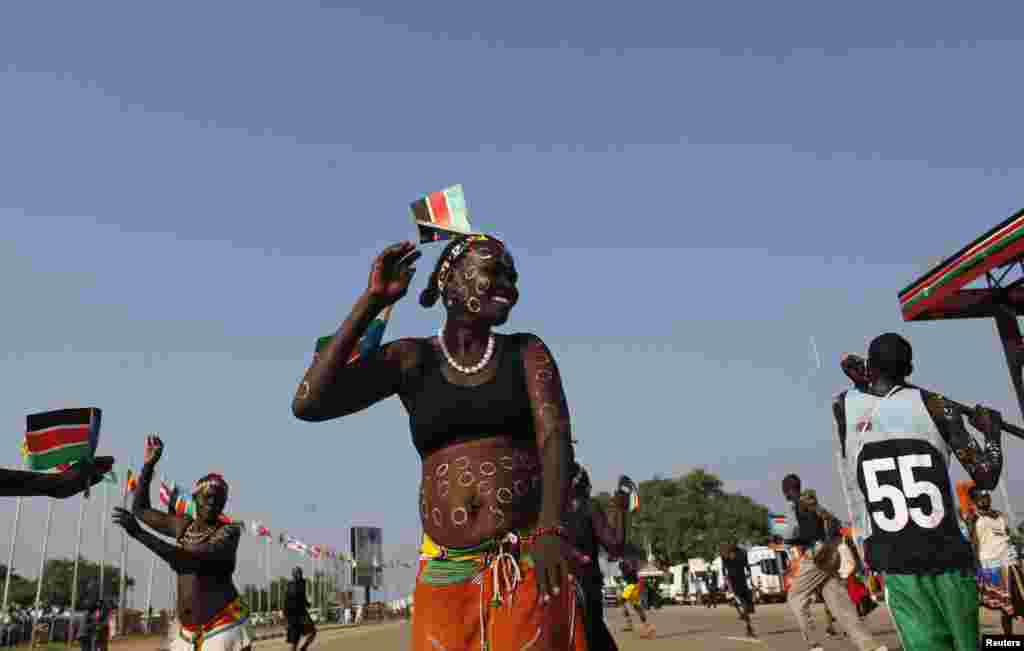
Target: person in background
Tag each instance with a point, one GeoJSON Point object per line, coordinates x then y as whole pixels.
{"type": "Point", "coordinates": [812, 532]}
{"type": "Point", "coordinates": [296, 611]}
{"type": "Point", "coordinates": [630, 567]}
{"type": "Point", "coordinates": [736, 567]}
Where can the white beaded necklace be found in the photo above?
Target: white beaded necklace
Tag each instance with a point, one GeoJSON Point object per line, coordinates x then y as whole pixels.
{"type": "Point", "coordinates": [468, 370]}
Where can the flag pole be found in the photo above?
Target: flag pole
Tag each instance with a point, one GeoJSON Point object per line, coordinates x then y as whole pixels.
{"type": "Point", "coordinates": [270, 584]}
{"type": "Point", "coordinates": [14, 540]}
{"type": "Point", "coordinates": [103, 536]}
{"type": "Point", "coordinates": [122, 597]}
{"type": "Point", "coordinates": [149, 593]}
{"type": "Point", "coordinates": [42, 558]}
{"type": "Point", "coordinates": [78, 553]}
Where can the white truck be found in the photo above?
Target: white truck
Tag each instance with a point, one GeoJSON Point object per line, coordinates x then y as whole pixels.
{"type": "Point", "coordinates": [768, 566]}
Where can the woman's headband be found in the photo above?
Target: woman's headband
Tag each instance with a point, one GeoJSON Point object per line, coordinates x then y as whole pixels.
{"type": "Point", "coordinates": [457, 251]}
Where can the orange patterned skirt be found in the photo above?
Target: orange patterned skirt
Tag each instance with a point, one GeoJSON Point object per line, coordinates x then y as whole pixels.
{"type": "Point", "coordinates": [493, 610]}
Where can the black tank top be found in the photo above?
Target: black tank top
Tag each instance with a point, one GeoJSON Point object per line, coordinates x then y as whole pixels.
{"type": "Point", "coordinates": [913, 517]}
{"type": "Point", "coordinates": [442, 413]}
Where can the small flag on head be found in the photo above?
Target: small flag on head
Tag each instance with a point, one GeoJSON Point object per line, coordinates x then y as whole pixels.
{"type": "Point", "coordinates": [440, 216]}
{"type": "Point", "coordinates": [62, 438]}
{"type": "Point", "coordinates": [368, 343]}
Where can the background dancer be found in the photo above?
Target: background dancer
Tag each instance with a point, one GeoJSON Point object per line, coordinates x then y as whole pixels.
{"type": "Point", "coordinates": [296, 611]}
{"type": "Point", "coordinates": [814, 569]}
{"type": "Point", "coordinates": [896, 441]}
{"type": "Point", "coordinates": [591, 530]}
{"type": "Point", "coordinates": [736, 567]}
{"type": "Point", "coordinates": [629, 567]}
{"type": "Point", "coordinates": [491, 423]}
{"type": "Point", "coordinates": [210, 612]}
{"type": "Point", "coordinates": [59, 485]}
{"type": "Point", "coordinates": [999, 577]}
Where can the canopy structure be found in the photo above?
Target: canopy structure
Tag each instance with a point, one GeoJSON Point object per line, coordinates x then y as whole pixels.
{"type": "Point", "coordinates": [995, 259]}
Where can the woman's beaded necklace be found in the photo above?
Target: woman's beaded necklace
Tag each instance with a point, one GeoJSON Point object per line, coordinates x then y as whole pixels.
{"type": "Point", "coordinates": [468, 370]}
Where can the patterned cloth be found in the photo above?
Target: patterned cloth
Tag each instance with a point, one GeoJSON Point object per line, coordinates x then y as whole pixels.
{"type": "Point", "coordinates": [227, 631]}
{"type": "Point", "coordinates": [486, 599]}
{"type": "Point", "coordinates": [1001, 586]}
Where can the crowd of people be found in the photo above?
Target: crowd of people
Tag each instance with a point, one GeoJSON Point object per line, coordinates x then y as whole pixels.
{"type": "Point", "coordinates": [511, 536]}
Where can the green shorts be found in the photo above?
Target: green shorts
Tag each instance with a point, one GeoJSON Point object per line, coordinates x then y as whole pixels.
{"type": "Point", "coordinates": [934, 612]}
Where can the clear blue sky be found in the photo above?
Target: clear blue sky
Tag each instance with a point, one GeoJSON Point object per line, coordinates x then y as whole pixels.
{"type": "Point", "coordinates": [190, 196]}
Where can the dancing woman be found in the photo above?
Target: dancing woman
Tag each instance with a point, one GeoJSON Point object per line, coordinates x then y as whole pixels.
{"type": "Point", "coordinates": [491, 424]}
{"type": "Point", "coordinates": [210, 612]}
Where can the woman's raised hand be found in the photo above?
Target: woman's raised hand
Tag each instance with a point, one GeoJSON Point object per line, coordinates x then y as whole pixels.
{"type": "Point", "coordinates": [391, 273]}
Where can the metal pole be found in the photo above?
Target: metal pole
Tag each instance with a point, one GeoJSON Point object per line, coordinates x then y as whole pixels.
{"type": "Point", "coordinates": [10, 554]}
{"type": "Point", "coordinates": [42, 558]}
{"type": "Point", "coordinates": [104, 515]}
{"type": "Point", "coordinates": [149, 592]}
{"type": "Point", "coordinates": [270, 583]}
{"type": "Point", "coordinates": [122, 595]}
{"type": "Point", "coordinates": [78, 553]}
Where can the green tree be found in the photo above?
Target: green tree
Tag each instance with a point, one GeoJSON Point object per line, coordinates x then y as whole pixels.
{"type": "Point", "coordinates": [57, 582]}
{"type": "Point", "coordinates": [691, 516]}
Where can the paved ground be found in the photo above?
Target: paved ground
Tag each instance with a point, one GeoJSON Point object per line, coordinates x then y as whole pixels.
{"type": "Point", "coordinates": [680, 628]}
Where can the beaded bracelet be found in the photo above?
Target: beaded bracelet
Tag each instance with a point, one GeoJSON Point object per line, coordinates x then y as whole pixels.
{"type": "Point", "coordinates": [558, 531]}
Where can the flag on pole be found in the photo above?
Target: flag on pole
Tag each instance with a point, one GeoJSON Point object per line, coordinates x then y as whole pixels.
{"type": "Point", "coordinates": [777, 523]}
{"type": "Point", "coordinates": [296, 545]}
{"type": "Point", "coordinates": [61, 438]}
{"type": "Point", "coordinates": [440, 216]}
{"type": "Point", "coordinates": [130, 482]}
{"type": "Point", "coordinates": [369, 342]}
{"type": "Point", "coordinates": [257, 529]}
{"type": "Point", "coordinates": [634, 502]}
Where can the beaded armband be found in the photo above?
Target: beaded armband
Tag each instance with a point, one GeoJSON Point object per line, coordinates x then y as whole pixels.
{"type": "Point", "coordinates": [559, 532]}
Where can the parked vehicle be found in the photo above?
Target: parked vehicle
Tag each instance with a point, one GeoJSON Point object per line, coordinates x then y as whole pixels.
{"type": "Point", "coordinates": [768, 567]}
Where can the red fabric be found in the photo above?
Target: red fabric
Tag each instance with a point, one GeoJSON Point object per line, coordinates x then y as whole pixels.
{"type": "Point", "coordinates": [856, 589]}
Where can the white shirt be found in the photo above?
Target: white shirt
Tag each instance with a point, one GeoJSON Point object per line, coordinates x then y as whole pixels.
{"type": "Point", "coordinates": [993, 538]}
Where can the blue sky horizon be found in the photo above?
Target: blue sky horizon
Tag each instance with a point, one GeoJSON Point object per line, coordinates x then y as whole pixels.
{"type": "Point", "coordinates": [192, 195]}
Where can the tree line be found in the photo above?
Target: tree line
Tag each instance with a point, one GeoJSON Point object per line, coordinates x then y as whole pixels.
{"type": "Point", "coordinates": [58, 575]}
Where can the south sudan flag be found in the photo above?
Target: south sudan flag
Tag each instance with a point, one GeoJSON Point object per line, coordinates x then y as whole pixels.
{"type": "Point", "coordinates": [61, 438]}
{"type": "Point", "coordinates": [440, 216]}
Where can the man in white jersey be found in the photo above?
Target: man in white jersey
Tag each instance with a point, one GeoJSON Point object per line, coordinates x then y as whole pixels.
{"type": "Point", "coordinates": [895, 441]}
{"type": "Point", "coordinates": [999, 577]}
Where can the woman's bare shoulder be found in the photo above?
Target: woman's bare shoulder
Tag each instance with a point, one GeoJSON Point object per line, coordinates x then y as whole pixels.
{"type": "Point", "coordinates": [408, 351]}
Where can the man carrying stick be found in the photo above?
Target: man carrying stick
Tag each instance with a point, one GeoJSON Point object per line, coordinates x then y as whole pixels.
{"type": "Point", "coordinates": [895, 441]}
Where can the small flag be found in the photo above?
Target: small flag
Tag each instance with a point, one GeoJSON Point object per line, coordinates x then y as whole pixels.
{"type": "Point", "coordinates": [110, 477]}
{"type": "Point", "coordinates": [296, 545]}
{"type": "Point", "coordinates": [368, 343]}
{"type": "Point", "coordinates": [257, 529]}
{"type": "Point", "coordinates": [440, 216]}
{"type": "Point", "coordinates": [183, 506]}
{"type": "Point", "coordinates": [634, 502]}
{"type": "Point", "coordinates": [776, 523]}
{"type": "Point", "coordinates": [61, 438]}
{"type": "Point", "coordinates": [165, 493]}
{"type": "Point", "coordinates": [130, 482]}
